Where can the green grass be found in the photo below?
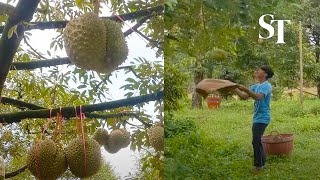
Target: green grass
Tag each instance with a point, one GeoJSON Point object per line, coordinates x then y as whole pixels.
{"type": "Point", "coordinates": [216, 144]}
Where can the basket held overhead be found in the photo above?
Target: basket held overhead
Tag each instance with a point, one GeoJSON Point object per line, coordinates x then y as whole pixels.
{"type": "Point", "coordinates": [207, 86]}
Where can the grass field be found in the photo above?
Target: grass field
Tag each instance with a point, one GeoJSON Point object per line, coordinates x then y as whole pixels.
{"type": "Point", "coordinates": [216, 144]}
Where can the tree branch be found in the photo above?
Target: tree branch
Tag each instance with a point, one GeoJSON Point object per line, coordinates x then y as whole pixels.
{"type": "Point", "coordinates": [136, 26]}
{"type": "Point", "coordinates": [131, 69]}
{"type": "Point", "coordinates": [24, 105]}
{"type": "Point", "coordinates": [69, 111]}
{"type": "Point", "coordinates": [39, 64]}
{"type": "Point", "coordinates": [106, 116]}
{"type": "Point", "coordinates": [118, 115]}
{"type": "Point", "coordinates": [126, 17]}
{"type": "Point", "coordinates": [137, 126]}
{"type": "Point", "coordinates": [8, 46]}
{"type": "Point", "coordinates": [20, 104]}
{"type": "Point", "coordinates": [150, 40]}
{"type": "Point", "coordinates": [15, 173]}
{"type": "Point", "coordinates": [53, 62]}
{"type": "Point", "coordinates": [6, 9]}
{"type": "Point", "coordinates": [307, 92]}
{"type": "Point", "coordinates": [145, 37]}
{"type": "Point", "coordinates": [35, 51]}
{"type": "Point", "coordinates": [141, 120]}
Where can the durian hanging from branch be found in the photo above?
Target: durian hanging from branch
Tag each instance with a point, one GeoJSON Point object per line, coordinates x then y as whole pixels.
{"type": "Point", "coordinates": [95, 44]}
{"type": "Point", "coordinates": [46, 158]}
{"type": "Point", "coordinates": [156, 137]}
{"type": "Point", "coordinates": [216, 54]}
{"type": "Point", "coordinates": [80, 165]}
{"type": "Point", "coordinates": [118, 139]}
{"type": "Point", "coordinates": [83, 153]}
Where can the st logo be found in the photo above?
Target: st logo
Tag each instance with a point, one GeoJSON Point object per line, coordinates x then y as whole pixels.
{"type": "Point", "coordinates": [270, 28]}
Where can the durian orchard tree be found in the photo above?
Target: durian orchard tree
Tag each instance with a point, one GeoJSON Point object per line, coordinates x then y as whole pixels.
{"type": "Point", "coordinates": [201, 32]}
{"type": "Point", "coordinates": [68, 108]}
{"type": "Point", "coordinates": [309, 15]}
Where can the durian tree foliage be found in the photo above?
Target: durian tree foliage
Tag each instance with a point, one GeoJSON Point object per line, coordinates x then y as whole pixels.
{"type": "Point", "coordinates": [26, 90]}
{"type": "Point", "coordinates": [193, 29]}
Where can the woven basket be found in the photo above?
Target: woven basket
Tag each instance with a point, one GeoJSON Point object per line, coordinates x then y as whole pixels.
{"type": "Point", "coordinates": [277, 144]}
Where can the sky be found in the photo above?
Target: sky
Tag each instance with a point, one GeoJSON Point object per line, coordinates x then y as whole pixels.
{"type": "Point", "coordinates": [124, 161]}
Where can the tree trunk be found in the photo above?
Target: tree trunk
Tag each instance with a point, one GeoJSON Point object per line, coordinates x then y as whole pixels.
{"type": "Point", "coordinates": [196, 98]}
{"type": "Point", "coordinates": [318, 89]}
{"type": "Point", "coordinates": [317, 49]}
{"type": "Point", "coordinates": [210, 72]}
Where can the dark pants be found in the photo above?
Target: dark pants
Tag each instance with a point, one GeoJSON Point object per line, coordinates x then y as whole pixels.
{"type": "Point", "coordinates": [259, 155]}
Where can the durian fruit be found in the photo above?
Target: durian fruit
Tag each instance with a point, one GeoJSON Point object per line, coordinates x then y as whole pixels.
{"type": "Point", "coordinates": [85, 41]}
{"type": "Point", "coordinates": [46, 160]}
{"type": "Point", "coordinates": [95, 44]}
{"type": "Point", "coordinates": [156, 137]}
{"type": "Point", "coordinates": [118, 138]}
{"type": "Point", "coordinates": [126, 139]}
{"type": "Point", "coordinates": [117, 48]}
{"type": "Point", "coordinates": [75, 157]}
{"type": "Point", "coordinates": [101, 136]}
{"type": "Point", "coordinates": [111, 149]}
{"type": "Point", "coordinates": [216, 54]}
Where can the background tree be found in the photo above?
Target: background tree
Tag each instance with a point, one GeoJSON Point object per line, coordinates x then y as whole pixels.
{"type": "Point", "coordinates": [194, 29]}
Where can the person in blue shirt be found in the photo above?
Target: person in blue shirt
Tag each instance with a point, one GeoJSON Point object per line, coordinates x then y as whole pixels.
{"type": "Point", "coordinates": [261, 93]}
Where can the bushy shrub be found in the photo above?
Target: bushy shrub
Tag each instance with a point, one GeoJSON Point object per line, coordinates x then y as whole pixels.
{"type": "Point", "coordinates": [179, 126]}
{"type": "Point", "coordinates": [315, 110]}
{"type": "Point", "coordinates": [277, 92]}
{"type": "Point", "coordinates": [296, 111]}
{"type": "Point", "coordinates": [174, 87]}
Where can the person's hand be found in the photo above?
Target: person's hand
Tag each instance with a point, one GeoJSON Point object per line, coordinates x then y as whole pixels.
{"type": "Point", "coordinates": [242, 88]}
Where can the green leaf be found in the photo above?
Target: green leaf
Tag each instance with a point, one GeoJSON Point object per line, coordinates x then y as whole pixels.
{"type": "Point", "coordinates": [82, 86]}
{"type": "Point", "coordinates": [28, 33]}
{"type": "Point", "coordinates": [27, 23]}
{"type": "Point", "coordinates": [129, 94]}
{"type": "Point", "coordinates": [171, 3]}
{"type": "Point", "coordinates": [79, 3]}
{"type": "Point", "coordinates": [83, 93]}
{"type": "Point", "coordinates": [297, 6]}
{"type": "Point", "coordinates": [131, 80]}
{"type": "Point", "coordinates": [11, 31]}
{"type": "Point", "coordinates": [74, 97]}
{"type": "Point", "coordinates": [52, 44]}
